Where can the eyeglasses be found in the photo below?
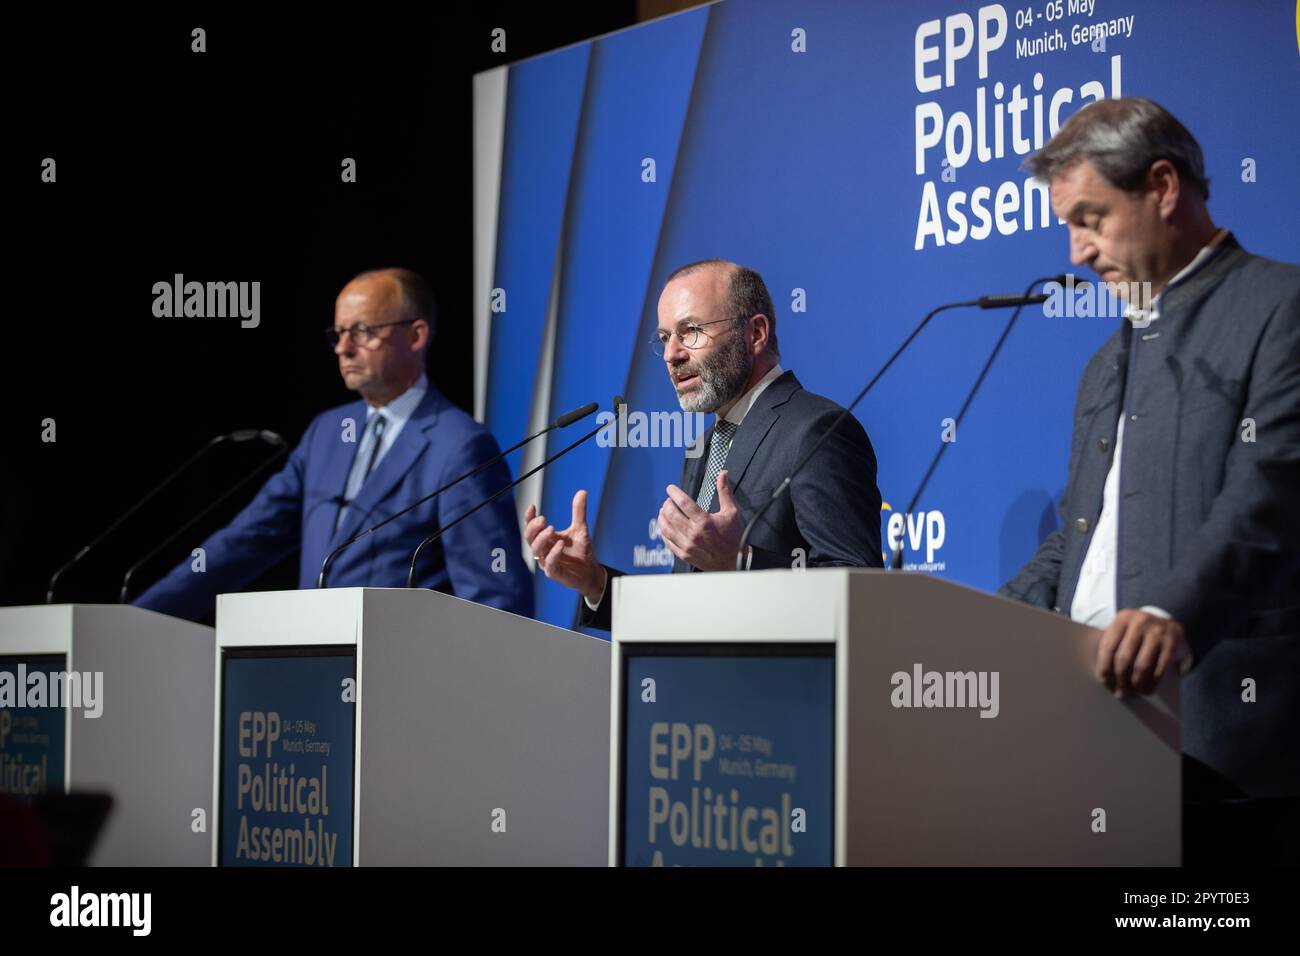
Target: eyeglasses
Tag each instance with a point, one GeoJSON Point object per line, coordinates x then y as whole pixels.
{"type": "Point", "coordinates": [688, 333]}
{"type": "Point", "coordinates": [362, 334]}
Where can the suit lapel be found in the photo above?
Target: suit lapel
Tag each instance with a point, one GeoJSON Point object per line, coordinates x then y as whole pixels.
{"type": "Point", "coordinates": [758, 421]}
{"type": "Point", "coordinates": [753, 429]}
{"type": "Point", "coordinates": [397, 461]}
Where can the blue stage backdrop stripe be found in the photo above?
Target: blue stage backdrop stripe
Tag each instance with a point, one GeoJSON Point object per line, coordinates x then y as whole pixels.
{"type": "Point", "coordinates": [638, 91]}
{"type": "Point", "coordinates": [544, 99]}
{"type": "Point", "coordinates": [638, 476]}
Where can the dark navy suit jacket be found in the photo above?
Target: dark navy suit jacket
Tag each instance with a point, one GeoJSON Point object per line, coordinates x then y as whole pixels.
{"type": "Point", "coordinates": [1209, 520]}
{"type": "Point", "coordinates": [298, 507]}
{"type": "Point", "coordinates": [831, 513]}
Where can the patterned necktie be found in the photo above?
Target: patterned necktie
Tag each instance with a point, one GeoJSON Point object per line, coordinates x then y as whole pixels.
{"type": "Point", "coordinates": [377, 436]}
{"type": "Point", "coordinates": [355, 478]}
{"type": "Point", "coordinates": [723, 432]}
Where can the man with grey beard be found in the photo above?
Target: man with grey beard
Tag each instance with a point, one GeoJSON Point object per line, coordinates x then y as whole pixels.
{"type": "Point", "coordinates": [717, 338]}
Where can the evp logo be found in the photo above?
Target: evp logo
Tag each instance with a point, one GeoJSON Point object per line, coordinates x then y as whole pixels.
{"type": "Point", "coordinates": [923, 532]}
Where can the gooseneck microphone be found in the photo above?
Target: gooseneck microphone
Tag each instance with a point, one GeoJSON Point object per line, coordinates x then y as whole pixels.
{"type": "Point", "coordinates": [565, 420]}
{"type": "Point", "coordinates": [983, 302]}
{"type": "Point", "coordinates": [281, 449]}
{"type": "Point", "coordinates": [415, 555]}
{"type": "Point", "coordinates": [243, 435]}
{"type": "Point", "coordinates": [896, 560]}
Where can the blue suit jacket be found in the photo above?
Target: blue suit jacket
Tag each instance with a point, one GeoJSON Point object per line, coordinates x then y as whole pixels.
{"type": "Point", "coordinates": [298, 507]}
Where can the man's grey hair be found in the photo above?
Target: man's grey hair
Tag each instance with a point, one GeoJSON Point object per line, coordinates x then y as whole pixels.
{"type": "Point", "coordinates": [1122, 138]}
{"type": "Point", "coordinates": [747, 295]}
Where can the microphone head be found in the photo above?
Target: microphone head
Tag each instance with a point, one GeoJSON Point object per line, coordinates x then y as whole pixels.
{"type": "Point", "coordinates": [619, 402]}
{"type": "Point", "coordinates": [568, 418]}
{"type": "Point", "coordinates": [253, 434]}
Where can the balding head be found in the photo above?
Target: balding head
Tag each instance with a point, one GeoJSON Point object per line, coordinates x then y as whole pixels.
{"type": "Point", "coordinates": [743, 291]}
{"type": "Point", "coordinates": [392, 312]}
{"type": "Point", "coordinates": [411, 295]}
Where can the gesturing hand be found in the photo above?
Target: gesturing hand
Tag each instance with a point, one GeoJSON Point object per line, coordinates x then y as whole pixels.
{"type": "Point", "coordinates": [566, 556]}
{"type": "Point", "coordinates": [708, 541]}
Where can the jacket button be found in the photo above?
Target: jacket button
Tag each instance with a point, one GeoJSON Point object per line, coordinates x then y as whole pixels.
{"type": "Point", "coordinates": [1057, 609]}
{"type": "Point", "coordinates": [1081, 525]}
{"type": "Point", "coordinates": [1103, 444]}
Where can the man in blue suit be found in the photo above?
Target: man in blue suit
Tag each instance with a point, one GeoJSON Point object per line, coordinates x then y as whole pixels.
{"type": "Point", "coordinates": [360, 463]}
{"type": "Point", "coordinates": [717, 337]}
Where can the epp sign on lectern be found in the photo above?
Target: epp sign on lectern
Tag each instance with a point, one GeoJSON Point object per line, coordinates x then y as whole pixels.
{"type": "Point", "coordinates": [288, 744]}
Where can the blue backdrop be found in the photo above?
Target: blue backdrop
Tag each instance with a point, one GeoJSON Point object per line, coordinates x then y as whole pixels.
{"type": "Point", "coordinates": [787, 136]}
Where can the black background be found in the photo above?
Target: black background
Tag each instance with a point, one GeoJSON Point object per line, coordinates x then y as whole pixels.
{"type": "Point", "coordinates": [223, 166]}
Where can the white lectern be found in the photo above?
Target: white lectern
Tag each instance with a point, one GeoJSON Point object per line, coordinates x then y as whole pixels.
{"type": "Point", "coordinates": [150, 747]}
{"type": "Point", "coordinates": [878, 718]}
{"type": "Point", "coordinates": [469, 735]}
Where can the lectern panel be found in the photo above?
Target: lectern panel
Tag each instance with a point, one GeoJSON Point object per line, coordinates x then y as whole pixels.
{"type": "Point", "coordinates": [33, 724]}
{"type": "Point", "coordinates": [728, 755]}
{"type": "Point", "coordinates": [288, 745]}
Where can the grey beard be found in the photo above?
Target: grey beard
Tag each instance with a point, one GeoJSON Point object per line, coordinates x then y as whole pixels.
{"type": "Point", "coordinates": [722, 377]}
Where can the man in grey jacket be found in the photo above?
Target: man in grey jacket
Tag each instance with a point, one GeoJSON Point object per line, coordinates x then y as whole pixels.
{"type": "Point", "coordinates": [1181, 536]}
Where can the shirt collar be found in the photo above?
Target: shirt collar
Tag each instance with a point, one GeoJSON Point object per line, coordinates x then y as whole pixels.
{"type": "Point", "coordinates": [736, 413]}
{"type": "Point", "coordinates": [403, 406]}
{"type": "Point", "coordinates": [1136, 315]}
